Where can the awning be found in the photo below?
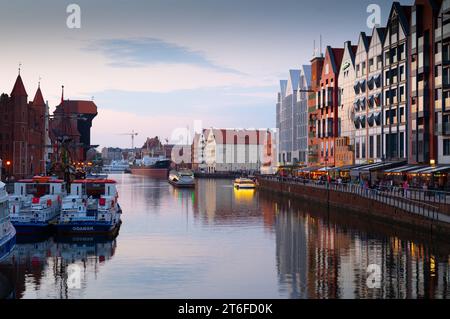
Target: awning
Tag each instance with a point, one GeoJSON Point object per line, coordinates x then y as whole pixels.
{"type": "Point", "coordinates": [371, 101]}
{"type": "Point", "coordinates": [362, 83]}
{"type": "Point", "coordinates": [363, 121]}
{"type": "Point", "coordinates": [378, 117]}
{"type": "Point", "coordinates": [371, 119]}
{"type": "Point", "coordinates": [375, 167]}
{"type": "Point", "coordinates": [430, 170]}
{"type": "Point", "coordinates": [310, 169]}
{"type": "Point", "coordinates": [357, 122]}
{"type": "Point", "coordinates": [325, 169]}
{"type": "Point", "coordinates": [345, 168]}
{"type": "Point", "coordinates": [362, 103]}
{"type": "Point", "coordinates": [403, 169]}
{"type": "Point", "coordinates": [370, 82]}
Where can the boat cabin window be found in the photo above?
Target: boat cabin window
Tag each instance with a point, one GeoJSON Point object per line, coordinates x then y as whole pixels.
{"type": "Point", "coordinates": [37, 190]}
{"type": "Point", "coordinates": [94, 190]}
{"type": "Point", "coordinates": [3, 210]}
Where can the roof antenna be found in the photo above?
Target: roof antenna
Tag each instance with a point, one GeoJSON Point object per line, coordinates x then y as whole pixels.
{"type": "Point", "coordinates": [321, 53]}
{"type": "Point", "coordinates": [314, 51]}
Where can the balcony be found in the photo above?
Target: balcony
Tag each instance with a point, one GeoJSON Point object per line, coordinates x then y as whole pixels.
{"type": "Point", "coordinates": [446, 104]}
{"type": "Point", "coordinates": [437, 106]}
{"type": "Point", "coordinates": [438, 58]}
{"type": "Point", "coordinates": [438, 81]}
{"type": "Point", "coordinates": [442, 33]}
{"type": "Point", "coordinates": [420, 86]}
{"type": "Point", "coordinates": [443, 129]}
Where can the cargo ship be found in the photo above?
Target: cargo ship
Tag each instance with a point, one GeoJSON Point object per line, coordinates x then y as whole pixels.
{"type": "Point", "coordinates": [158, 169]}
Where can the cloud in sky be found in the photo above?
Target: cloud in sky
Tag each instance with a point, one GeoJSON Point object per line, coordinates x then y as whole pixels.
{"type": "Point", "coordinates": [138, 52]}
{"type": "Point", "coordinates": [160, 113]}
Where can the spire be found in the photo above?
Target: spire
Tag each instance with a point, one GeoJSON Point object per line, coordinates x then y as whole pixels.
{"type": "Point", "coordinates": [38, 98]}
{"type": "Point", "coordinates": [19, 88]}
{"type": "Point", "coordinates": [62, 95]}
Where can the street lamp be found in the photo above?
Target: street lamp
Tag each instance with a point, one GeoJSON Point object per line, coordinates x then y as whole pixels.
{"type": "Point", "coordinates": [8, 169]}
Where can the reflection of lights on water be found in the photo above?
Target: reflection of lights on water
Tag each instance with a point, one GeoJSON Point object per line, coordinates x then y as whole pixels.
{"type": "Point", "coordinates": [180, 195]}
{"type": "Point", "coordinates": [432, 266]}
{"type": "Point", "coordinates": [244, 195]}
{"type": "Point", "coordinates": [396, 245]}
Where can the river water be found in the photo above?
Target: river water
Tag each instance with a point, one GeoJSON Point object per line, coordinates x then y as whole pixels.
{"type": "Point", "coordinates": [217, 242]}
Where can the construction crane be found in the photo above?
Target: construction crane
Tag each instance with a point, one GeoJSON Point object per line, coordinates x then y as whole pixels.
{"type": "Point", "coordinates": [133, 134]}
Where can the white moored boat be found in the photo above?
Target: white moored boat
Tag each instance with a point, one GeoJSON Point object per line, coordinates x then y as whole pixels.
{"type": "Point", "coordinates": [7, 231]}
{"type": "Point", "coordinates": [244, 183]}
{"type": "Point", "coordinates": [182, 179]}
{"type": "Point", "coordinates": [36, 203]}
{"type": "Point", "coordinates": [91, 208]}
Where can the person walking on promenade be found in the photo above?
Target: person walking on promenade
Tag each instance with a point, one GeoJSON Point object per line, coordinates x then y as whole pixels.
{"type": "Point", "coordinates": [405, 188]}
{"type": "Point", "coordinates": [366, 187]}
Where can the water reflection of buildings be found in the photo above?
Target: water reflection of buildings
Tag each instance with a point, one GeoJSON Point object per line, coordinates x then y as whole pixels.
{"type": "Point", "coordinates": [32, 266]}
{"type": "Point", "coordinates": [218, 202]}
{"type": "Point", "coordinates": [319, 256]}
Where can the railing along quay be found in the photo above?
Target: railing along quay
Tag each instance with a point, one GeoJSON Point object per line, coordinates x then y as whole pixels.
{"type": "Point", "coordinates": [413, 201]}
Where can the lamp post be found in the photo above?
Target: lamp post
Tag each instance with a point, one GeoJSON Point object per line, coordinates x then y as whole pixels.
{"type": "Point", "coordinates": [8, 169]}
{"type": "Point", "coordinates": [328, 183]}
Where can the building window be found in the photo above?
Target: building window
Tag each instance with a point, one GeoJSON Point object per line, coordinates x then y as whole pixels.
{"type": "Point", "coordinates": [357, 150]}
{"type": "Point", "coordinates": [378, 146]}
{"type": "Point", "coordinates": [371, 147]}
{"type": "Point", "coordinates": [401, 52]}
{"type": "Point", "coordinates": [402, 144]}
{"type": "Point", "coordinates": [447, 147]}
{"type": "Point", "coordinates": [363, 149]}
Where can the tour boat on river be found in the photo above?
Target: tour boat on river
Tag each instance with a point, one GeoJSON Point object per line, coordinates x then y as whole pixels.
{"type": "Point", "coordinates": [182, 179]}
{"type": "Point", "coordinates": [91, 208]}
{"type": "Point", "coordinates": [7, 231]}
{"type": "Point", "coordinates": [244, 183]}
{"type": "Point", "coordinates": [36, 203]}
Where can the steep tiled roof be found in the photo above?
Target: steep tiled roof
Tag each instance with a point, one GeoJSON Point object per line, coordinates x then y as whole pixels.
{"type": "Point", "coordinates": [19, 88]}
{"type": "Point", "coordinates": [38, 98]}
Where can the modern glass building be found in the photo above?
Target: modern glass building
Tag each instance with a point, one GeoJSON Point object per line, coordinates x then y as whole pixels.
{"type": "Point", "coordinates": [292, 117]}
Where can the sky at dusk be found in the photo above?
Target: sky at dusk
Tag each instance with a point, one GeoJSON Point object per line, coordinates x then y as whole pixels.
{"type": "Point", "coordinates": [153, 66]}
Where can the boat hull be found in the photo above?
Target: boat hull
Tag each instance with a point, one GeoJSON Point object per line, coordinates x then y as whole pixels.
{"type": "Point", "coordinates": [244, 187]}
{"type": "Point", "coordinates": [182, 185]}
{"type": "Point", "coordinates": [87, 228]}
{"type": "Point", "coordinates": [160, 173]}
{"type": "Point", "coordinates": [32, 228]}
{"type": "Point", "coordinates": [7, 245]}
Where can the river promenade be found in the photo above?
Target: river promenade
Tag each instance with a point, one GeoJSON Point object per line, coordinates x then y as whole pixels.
{"type": "Point", "coordinates": [424, 210]}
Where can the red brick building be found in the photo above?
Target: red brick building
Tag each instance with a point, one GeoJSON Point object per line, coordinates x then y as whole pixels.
{"type": "Point", "coordinates": [22, 132]}
{"type": "Point", "coordinates": [314, 111]}
{"type": "Point", "coordinates": [327, 122]}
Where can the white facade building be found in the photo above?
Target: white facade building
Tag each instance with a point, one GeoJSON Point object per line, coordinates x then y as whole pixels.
{"type": "Point", "coordinates": [347, 77]}
{"type": "Point", "coordinates": [233, 150]}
